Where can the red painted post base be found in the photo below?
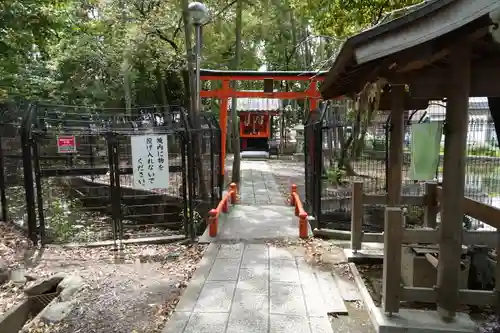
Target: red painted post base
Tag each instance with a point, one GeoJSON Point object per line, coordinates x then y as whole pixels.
{"type": "Point", "coordinates": [303, 229]}
{"type": "Point", "coordinates": [234, 191]}
{"type": "Point", "coordinates": [212, 223]}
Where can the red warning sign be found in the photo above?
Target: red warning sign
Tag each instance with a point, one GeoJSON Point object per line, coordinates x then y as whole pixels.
{"type": "Point", "coordinates": [66, 144]}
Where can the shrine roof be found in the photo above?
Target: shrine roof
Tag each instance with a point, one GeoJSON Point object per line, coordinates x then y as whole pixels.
{"type": "Point", "coordinates": [409, 42]}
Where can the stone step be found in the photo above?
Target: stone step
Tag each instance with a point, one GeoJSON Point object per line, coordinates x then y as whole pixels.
{"type": "Point", "coordinates": [334, 303]}
{"type": "Point", "coordinates": [348, 289]}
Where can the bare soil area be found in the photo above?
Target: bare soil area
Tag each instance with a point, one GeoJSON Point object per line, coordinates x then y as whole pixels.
{"type": "Point", "coordinates": [133, 290]}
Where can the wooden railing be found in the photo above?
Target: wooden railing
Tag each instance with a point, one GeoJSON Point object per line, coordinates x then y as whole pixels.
{"type": "Point", "coordinates": [222, 207]}
{"type": "Point", "coordinates": [300, 212]}
{"type": "Point", "coordinates": [395, 235]}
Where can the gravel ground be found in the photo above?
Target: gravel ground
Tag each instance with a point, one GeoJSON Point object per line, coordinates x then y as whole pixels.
{"type": "Point", "coordinates": [133, 290]}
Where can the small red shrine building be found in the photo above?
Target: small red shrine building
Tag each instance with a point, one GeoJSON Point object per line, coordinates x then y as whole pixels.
{"type": "Point", "coordinates": [256, 121]}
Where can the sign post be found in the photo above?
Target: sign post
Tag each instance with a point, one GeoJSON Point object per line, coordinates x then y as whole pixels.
{"type": "Point", "coordinates": [66, 144]}
{"type": "Point", "coordinates": [150, 161]}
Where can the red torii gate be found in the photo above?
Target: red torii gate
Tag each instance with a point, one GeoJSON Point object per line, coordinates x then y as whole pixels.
{"type": "Point", "coordinates": [226, 92]}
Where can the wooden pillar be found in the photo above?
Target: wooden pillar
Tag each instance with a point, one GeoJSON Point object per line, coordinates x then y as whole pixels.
{"type": "Point", "coordinates": [497, 272]}
{"type": "Point", "coordinates": [431, 206]}
{"type": "Point", "coordinates": [393, 238]}
{"type": "Point", "coordinates": [450, 235]}
{"type": "Point", "coordinates": [396, 138]}
{"type": "Point", "coordinates": [223, 125]}
{"type": "Point", "coordinates": [356, 216]}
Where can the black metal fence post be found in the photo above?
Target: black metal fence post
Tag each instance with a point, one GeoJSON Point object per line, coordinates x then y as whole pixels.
{"type": "Point", "coordinates": [318, 170]}
{"type": "Point", "coordinates": [213, 198]}
{"type": "Point", "coordinates": [114, 195]}
{"type": "Point", "coordinates": [39, 199]}
{"type": "Point", "coordinates": [28, 174]}
{"type": "Point", "coordinates": [185, 207]}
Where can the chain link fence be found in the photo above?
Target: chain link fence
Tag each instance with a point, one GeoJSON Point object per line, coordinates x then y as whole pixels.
{"type": "Point", "coordinates": [340, 148]}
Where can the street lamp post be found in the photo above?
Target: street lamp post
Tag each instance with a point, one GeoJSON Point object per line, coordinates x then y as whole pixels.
{"type": "Point", "coordinates": [199, 16]}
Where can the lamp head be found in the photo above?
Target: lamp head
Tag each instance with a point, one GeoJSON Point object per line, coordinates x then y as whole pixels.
{"type": "Point", "coordinates": [198, 13]}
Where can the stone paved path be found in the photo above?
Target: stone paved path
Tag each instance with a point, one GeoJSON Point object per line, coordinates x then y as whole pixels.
{"type": "Point", "coordinates": [251, 288]}
{"type": "Point", "coordinates": [258, 186]}
{"type": "Point", "coordinates": [262, 212]}
{"type": "Point", "coordinates": [247, 287]}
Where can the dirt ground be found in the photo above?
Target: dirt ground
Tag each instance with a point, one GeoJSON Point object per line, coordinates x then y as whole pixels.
{"type": "Point", "coordinates": [133, 290]}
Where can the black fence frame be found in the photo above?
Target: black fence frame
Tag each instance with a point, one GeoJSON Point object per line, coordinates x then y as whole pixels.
{"type": "Point", "coordinates": [31, 130]}
{"type": "Point", "coordinates": [313, 157]}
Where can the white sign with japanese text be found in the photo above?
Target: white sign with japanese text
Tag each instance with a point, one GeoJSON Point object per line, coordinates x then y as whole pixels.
{"type": "Point", "coordinates": [150, 161]}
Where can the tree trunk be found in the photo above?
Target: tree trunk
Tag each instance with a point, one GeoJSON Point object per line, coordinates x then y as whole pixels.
{"type": "Point", "coordinates": [163, 95]}
{"type": "Point", "coordinates": [127, 87]}
{"type": "Point", "coordinates": [234, 115]}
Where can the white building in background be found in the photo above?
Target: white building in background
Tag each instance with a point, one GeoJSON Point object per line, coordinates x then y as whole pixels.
{"type": "Point", "coordinates": [481, 129]}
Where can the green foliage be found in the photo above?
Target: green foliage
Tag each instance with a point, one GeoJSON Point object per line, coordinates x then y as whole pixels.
{"type": "Point", "coordinates": [335, 175]}
{"type": "Point", "coordinates": [61, 227]}
{"type": "Point", "coordinates": [376, 143]}
{"type": "Point", "coordinates": [343, 18]}
{"type": "Point", "coordinates": [197, 218]}
{"type": "Point", "coordinates": [111, 53]}
{"type": "Point", "coordinates": [483, 149]}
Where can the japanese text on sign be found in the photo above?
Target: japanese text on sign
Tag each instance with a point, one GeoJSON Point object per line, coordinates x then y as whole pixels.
{"type": "Point", "coordinates": [66, 144]}
{"type": "Point", "coordinates": [150, 161]}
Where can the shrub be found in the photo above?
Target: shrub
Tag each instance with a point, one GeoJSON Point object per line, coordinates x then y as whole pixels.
{"type": "Point", "coordinates": [483, 149]}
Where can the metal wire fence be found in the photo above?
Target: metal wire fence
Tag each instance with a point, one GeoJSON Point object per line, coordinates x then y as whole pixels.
{"type": "Point", "coordinates": [349, 153]}
{"type": "Point", "coordinates": [88, 193]}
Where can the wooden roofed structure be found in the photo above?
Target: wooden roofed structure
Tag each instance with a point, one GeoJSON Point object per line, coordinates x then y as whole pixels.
{"type": "Point", "coordinates": [444, 49]}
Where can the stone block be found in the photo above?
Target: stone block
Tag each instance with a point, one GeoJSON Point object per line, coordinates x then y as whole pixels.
{"type": "Point", "coordinates": [215, 296]}
{"type": "Point", "coordinates": [417, 271]}
{"type": "Point", "coordinates": [280, 253]}
{"type": "Point", "coordinates": [231, 251]}
{"type": "Point", "coordinates": [177, 322]}
{"type": "Point", "coordinates": [207, 323]}
{"type": "Point", "coordinates": [288, 324]}
{"type": "Point", "coordinates": [284, 271]}
{"type": "Point", "coordinates": [224, 270]}
{"type": "Point", "coordinates": [287, 298]}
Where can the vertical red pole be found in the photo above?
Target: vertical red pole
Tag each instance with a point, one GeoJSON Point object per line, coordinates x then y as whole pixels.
{"type": "Point", "coordinates": [312, 95]}
{"type": "Point", "coordinates": [223, 124]}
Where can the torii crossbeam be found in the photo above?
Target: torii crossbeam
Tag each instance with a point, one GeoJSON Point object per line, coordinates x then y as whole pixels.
{"type": "Point", "coordinates": [225, 92]}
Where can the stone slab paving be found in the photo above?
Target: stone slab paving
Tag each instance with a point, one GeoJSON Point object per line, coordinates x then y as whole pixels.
{"type": "Point", "coordinates": [250, 288]}
{"type": "Point", "coordinates": [258, 186]}
{"type": "Point", "coordinates": [262, 211]}
{"type": "Point", "coordinates": [252, 223]}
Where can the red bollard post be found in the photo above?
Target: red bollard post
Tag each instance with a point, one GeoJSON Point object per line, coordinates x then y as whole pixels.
{"type": "Point", "coordinates": [303, 228]}
{"type": "Point", "coordinates": [234, 190]}
{"type": "Point", "coordinates": [292, 197]}
{"type": "Point", "coordinates": [225, 206]}
{"type": "Point", "coordinates": [296, 209]}
{"type": "Point", "coordinates": [212, 223]}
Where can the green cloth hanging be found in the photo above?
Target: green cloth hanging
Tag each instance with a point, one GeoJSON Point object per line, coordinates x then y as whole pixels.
{"type": "Point", "coordinates": [425, 148]}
